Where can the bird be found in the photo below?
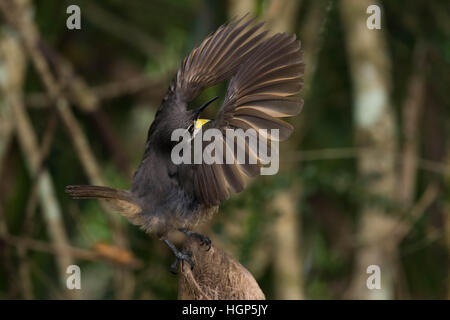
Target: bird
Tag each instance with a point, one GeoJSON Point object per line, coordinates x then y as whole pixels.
{"type": "Point", "coordinates": [265, 76]}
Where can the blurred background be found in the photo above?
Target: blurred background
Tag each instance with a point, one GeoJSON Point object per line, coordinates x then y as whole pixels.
{"type": "Point", "coordinates": [364, 179]}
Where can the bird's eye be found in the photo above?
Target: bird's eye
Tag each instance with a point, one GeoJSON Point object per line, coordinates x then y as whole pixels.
{"type": "Point", "coordinates": [191, 128]}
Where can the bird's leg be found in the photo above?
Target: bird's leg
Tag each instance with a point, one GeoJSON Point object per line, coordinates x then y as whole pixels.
{"type": "Point", "coordinates": [186, 256]}
{"type": "Point", "coordinates": [204, 240]}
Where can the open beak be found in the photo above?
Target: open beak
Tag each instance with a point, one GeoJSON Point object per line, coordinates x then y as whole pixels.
{"type": "Point", "coordinates": [203, 107]}
{"type": "Point", "coordinates": [198, 123]}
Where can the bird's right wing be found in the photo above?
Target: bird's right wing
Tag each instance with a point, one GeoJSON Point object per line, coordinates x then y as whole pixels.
{"type": "Point", "coordinates": [259, 94]}
{"type": "Point", "coordinates": [215, 59]}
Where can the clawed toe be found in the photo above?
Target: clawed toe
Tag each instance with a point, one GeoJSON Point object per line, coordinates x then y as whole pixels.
{"type": "Point", "coordinates": [174, 267]}
{"type": "Point", "coordinates": [179, 256]}
{"type": "Point", "coordinates": [205, 241]}
{"type": "Point", "coordinates": [187, 256]}
{"type": "Point", "coordinates": [182, 256]}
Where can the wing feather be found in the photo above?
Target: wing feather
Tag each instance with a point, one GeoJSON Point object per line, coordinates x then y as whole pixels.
{"type": "Point", "coordinates": [216, 58]}
{"type": "Point", "coordinates": [262, 91]}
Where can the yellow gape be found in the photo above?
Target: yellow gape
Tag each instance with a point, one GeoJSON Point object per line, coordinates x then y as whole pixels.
{"type": "Point", "coordinates": [200, 122]}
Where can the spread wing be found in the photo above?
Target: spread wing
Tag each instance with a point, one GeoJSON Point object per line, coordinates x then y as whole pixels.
{"type": "Point", "coordinates": [259, 94]}
{"type": "Point", "coordinates": [215, 59]}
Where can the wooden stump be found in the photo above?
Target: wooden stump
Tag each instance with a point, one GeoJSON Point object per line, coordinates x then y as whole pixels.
{"type": "Point", "coordinates": [216, 276]}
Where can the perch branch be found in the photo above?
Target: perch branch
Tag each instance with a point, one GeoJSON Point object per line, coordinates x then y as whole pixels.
{"type": "Point", "coordinates": [216, 276]}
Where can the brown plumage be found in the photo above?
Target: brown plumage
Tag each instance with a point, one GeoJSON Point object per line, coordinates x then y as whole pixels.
{"type": "Point", "coordinates": [265, 74]}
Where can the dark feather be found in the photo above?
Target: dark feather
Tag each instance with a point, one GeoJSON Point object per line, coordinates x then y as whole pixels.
{"type": "Point", "coordinates": [121, 201]}
{"type": "Point", "coordinates": [259, 93]}
{"type": "Point", "coordinates": [216, 58]}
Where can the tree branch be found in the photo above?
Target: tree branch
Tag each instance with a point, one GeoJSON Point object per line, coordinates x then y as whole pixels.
{"type": "Point", "coordinates": [15, 64]}
{"type": "Point", "coordinates": [216, 276]}
{"type": "Point", "coordinates": [18, 14]}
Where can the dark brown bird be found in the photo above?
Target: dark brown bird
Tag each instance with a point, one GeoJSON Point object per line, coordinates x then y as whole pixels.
{"type": "Point", "coordinates": [265, 73]}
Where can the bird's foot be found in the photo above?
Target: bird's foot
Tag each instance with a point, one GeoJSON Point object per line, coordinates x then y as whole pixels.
{"type": "Point", "coordinates": [181, 256]}
{"type": "Point", "coordinates": [204, 240]}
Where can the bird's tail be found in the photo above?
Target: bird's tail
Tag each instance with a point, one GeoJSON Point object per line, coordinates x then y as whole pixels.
{"type": "Point", "coordinates": [96, 192]}
{"type": "Point", "coordinates": [121, 201]}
